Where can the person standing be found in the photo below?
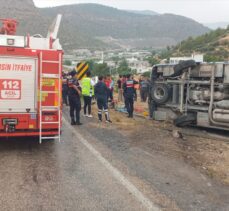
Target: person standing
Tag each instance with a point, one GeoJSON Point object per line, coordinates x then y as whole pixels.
{"type": "Point", "coordinates": [101, 93]}
{"type": "Point", "coordinates": [74, 92]}
{"type": "Point", "coordinates": [111, 87]}
{"type": "Point", "coordinates": [144, 89]}
{"type": "Point", "coordinates": [108, 82]}
{"type": "Point", "coordinates": [152, 105]}
{"type": "Point", "coordinates": [120, 91]}
{"type": "Point", "coordinates": [64, 89]}
{"type": "Point", "coordinates": [136, 87]}
{"type": "Point", "coordinates": [128, 88]}
{"type": "Point", "coordinates": [87, 92]}
{"type": "Point", "coordinates": [123, 81]}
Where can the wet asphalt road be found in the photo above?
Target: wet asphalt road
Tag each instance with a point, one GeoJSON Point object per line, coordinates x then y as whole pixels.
{"type": "Point", "coordinates": [58, 176]}
{"type": "Point", "coordinates": [71, 176]}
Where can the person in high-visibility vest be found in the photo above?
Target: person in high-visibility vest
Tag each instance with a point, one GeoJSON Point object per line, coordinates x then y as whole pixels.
{"type": "Point", "coordinates": [88, 92]}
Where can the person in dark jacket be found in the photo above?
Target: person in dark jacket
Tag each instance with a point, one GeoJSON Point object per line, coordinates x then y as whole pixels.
{"type": "Point", "coordinates": [74, 92]}
{"type": "Point", "coordinates": [101, 94]}
{"type": "Point", "coordinates": [65, 89]}
{"type": "Point", "coordinates": [120, 91]}
{"type": "Point", "coordinates": [144, 89]}
{"type": "Point", "coordinates": [152, 105]}
{"type": "Point", "coordinates": [128, 88]}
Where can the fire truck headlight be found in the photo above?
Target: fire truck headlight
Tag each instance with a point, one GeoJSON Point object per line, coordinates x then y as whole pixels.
{"type": "Point", "coordinates": [10, 41]}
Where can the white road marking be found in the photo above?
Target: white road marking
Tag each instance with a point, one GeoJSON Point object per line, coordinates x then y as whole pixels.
{"type": "Point", "coordinates": [149, 205]}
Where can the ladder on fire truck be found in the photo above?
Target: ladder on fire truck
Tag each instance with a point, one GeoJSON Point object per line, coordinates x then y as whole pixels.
{"type": "Point", "coordinates": [52, 35]}
{"type": "Point", "coordinates": [56, 108]}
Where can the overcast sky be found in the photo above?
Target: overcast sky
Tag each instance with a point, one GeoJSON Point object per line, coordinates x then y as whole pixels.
{"type": "Point", "coordinates": [205, 11]}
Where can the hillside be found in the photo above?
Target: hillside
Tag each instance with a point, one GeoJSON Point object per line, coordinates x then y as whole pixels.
{"type": "Point", "coordinates": [125, 29]}
{"type": "Point", "coordinates": [213, 45]}
{"type": "Point", "coordinates": [143, 12]}
{"type": "Point", "coordinates": [96, 26]}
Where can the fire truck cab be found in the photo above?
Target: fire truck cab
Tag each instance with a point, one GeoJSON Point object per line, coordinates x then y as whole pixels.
{"type": "Point", "coordinates": [30, 83]}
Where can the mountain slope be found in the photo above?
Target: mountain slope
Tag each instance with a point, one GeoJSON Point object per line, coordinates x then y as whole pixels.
{"type": "Point", "coordinates": [143, 12]}
{"type": "Point", "coordinates": [214, 45]}
{"type": "Point", "coordinates": [125, 29]}
{"type": "Point", "coordinates": [96, 26]}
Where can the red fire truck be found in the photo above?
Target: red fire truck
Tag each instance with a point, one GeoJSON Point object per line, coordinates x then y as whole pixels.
{"type": "Point", "coordinates": [30, 83]}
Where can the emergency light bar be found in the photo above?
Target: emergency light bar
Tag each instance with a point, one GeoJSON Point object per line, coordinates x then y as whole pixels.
{"type": "Point", "coordinates": [9, 26]}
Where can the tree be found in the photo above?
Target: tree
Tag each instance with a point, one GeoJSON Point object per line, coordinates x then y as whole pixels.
{"type": "Point", "coordinates": [153, 60]}
{"type": "Point", "coordinates": [68, 62]}
{"type": "Point", "coordinates": [146, 74]}
{"type": "Point", "coordinates": [91, 64]}
{"type": "Point", "coordinates": [100, 69]}
{"type": "Point", "coordinates": [123, 68]}
{"type": "Point", "coordinates": [115, 59]}
{"type": "Point", "coordinates": [212, 58]}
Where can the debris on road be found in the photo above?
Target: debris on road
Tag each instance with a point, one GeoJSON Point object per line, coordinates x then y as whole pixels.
{"type": "Point", "coordinates": [177, 134]}
{"type": "Point", "coordinates": [199, 149]}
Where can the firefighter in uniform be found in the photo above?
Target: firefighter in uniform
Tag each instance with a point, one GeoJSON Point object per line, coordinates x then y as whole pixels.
{"type": "Point", "coordinates": [74, 99]}
{"type": "Point", "coordinates": [128, 88]}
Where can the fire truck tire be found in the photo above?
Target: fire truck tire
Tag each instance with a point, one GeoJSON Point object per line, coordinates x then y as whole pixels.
{"type": "Point", "coordinates": [160, 93]}
{"type": "Point", "coordinates": [179, 68]}
{"type": "Point", "coordinates": [185, 120]}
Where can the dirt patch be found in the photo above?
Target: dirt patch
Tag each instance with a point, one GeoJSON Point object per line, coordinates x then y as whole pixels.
{"type": "Point", "coordinates": [224, 40]}
{"type": "Point", "coordinates": [210, 156]}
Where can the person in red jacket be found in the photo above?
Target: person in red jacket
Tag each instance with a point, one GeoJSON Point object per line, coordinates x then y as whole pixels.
{"type": "Point", "coordinates": [109, 83]}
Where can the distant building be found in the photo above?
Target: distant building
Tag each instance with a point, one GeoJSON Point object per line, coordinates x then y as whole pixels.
{"type": "Point", "coordinates": [195, 57]}
{"type": "Point", "coordinates": [135, 58]}
{"type": "Point", "coordinates": [111, 64]}
{"type": "Point", "coordinates": [139, 65]}
{"type": "Point", "coordinates": [82, 52]}
{"type": "Point", "coordinates": [68, 57]}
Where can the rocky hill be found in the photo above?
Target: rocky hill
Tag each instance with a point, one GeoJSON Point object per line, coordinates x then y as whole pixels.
{"type": "Point", "coordinates": [143, 12]}
{"type": "Point", "coordinates": [96, 26]}
{"type": "Point", "coordinates": [213, 45]}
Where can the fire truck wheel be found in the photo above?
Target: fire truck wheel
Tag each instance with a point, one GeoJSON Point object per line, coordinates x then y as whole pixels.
{"type": "Point", "coordinates": [160, 93]}
{"type": "Point", "coordinates": [185, 120]}
{"type": "Point", "coordinates": [179, 68]}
